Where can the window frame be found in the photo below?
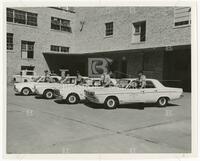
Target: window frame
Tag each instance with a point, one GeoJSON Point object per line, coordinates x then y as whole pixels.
{"type": "Point", "coordinates": [17, 18]}
{"type": "Point", "coordinates": [28, 45]}
{"type": "Point", "coordinates": [10, 35]}
{"type": "Point", "coordinates": [184, 25]}
{"type": "Point", "coordinates": [60, 49]}
{"type": "Point", "coordinates": [141, 25]}
{"type": "Point", "coordinates": [109, 29]}
{"type": "Point", "coordinates": [65, 27]}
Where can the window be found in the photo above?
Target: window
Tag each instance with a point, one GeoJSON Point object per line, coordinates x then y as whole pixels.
{"type": "Point", "coordinates": [59, 48]}
{"type": "Point", "coordinates": [9, 41]}
{"type": "Point", "coordinates": [149, 84]}
{"type": "Point", "coordinates": [21, 17]}
{"type": "Point", "coordinates": [139, 32]}
{"type": "Point", "coordinates": [70, 81]}
{"type": "Point", "coordinates": [109, 29]}
{"type": "Point", "coordinates": [27, 70]}
{"type": "Point", "coordinates": [10, 15]}
{"type": "Point", "coordinates": [31, 19]}
{"type": "Point", "coordinates": [60, 24]}
{"type": "Point", "coordinates": [64, 49]}
{"type": "Point", "coordinates": [54, 48]}
{"type": "Point", "coordinates": [27, 48]}
{"type": "Point", "coordinates": [182, 16]}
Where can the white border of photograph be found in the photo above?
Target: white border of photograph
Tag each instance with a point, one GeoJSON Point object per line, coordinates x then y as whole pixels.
{"type": "Point", "coordinates": [44, 3]}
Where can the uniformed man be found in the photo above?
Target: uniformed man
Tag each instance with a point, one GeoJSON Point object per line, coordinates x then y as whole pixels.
{"type": "Point", "coordinates": [141, 80]}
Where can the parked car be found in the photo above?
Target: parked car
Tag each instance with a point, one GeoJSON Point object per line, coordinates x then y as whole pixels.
{"type": "Point", "coordinates": [75, 94]}
{"type": "Point", "coordinates": [25, 76]}
{"type": "Point", "coordinates": [127, 92]}
{"type": "Point", "coordinates": [27, 88]}
{"type": "Point", "coordinates": [47, 89]}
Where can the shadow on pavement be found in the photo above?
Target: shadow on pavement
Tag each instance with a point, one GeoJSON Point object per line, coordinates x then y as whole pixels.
{"type": "Point", "coordinates": [41, 97]}
{"type": "Point", "coordinates": [138, 106]}
{"type": "Point", "coordinates": [60, 101]}
{"type": "Point", "coordinates": [19, 94]}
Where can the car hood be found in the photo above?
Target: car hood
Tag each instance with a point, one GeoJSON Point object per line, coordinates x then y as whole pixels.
{"type": "Point", "coordinates": [103, 90]}
{"type": "Point", "coordinates": [24, 84]}
{"type": "Point", "coordinates": [78, 87]}
{"type": "Point", "coordinates": [38, 85]}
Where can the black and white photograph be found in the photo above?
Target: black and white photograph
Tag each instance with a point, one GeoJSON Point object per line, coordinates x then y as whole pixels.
{"type": "Point", "coordinates": [98, 79]}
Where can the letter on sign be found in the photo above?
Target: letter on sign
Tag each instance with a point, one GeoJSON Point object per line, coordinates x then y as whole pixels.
{"type": "Point", "coordinates": [97, 66]}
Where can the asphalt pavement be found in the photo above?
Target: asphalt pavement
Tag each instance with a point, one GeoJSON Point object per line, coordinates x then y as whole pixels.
{"type": "Point", "coordinates": [37, 125]}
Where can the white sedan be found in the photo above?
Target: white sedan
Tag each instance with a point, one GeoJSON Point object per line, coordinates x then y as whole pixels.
{"type": "Point", "coordinates": [47, 89]}
{"type": "Point", "coordinates": [127, 92]}
{"type": "Point", "coordinates": [75, 94]}
{"type": "Point", "coordinates": [27, 88]}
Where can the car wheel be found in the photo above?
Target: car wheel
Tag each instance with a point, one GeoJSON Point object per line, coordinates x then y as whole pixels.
{"type": "Point", "coordinates": [72, 98]}
{"type": "Point", "coordinates": [162, 102]}
{"type": "Point", "coordinates": [26, 91]}
{"type": "Point", "coordinates": [48, 94]}
{"type": "Point", "coordinates": [111, 103]}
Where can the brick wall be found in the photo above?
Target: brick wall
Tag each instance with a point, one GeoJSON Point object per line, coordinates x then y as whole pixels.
{"type": "Point", "coordinates": [160, 29]}
{"type": "Point", "coordinates": [42, 35]}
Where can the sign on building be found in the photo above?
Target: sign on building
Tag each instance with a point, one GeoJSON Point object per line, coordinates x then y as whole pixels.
{"type": "Point", "coordinates": [97, 66]}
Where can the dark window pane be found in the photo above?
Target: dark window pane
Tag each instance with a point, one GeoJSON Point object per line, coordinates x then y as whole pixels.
{"type": "Point", "coordinates": [149, 84]}
{"type": "Point", "coordinates": [32, 19]}
{"type": "Point", "coordinates": [9, 41]}
{"type": "Point", "coordinates": [64, 49]}
{"type": "Point", "coordinates": [65, 28]}
{"type": "Point", "coordinates": [109, 28]}
{"type": "Point", "coordinates": [181, 23]}
{"type": "Point", "coordinates": [30, 54]}
{"type": "Point", "coordinates": [20, 17]}
{"type": "Point", "coordinates": [143, 31]}
{"type": "Point", "coordinates": [55, 23]}
{"type": "Point", "coordinates": [9, 15]}
{"type": "Point", "coordinates": [54, 48]}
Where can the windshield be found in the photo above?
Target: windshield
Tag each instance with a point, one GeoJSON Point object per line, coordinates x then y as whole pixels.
{"type": "Point", "coordinates": [123, 83]}
{"type": "Point", "coordinates": [36, 79]}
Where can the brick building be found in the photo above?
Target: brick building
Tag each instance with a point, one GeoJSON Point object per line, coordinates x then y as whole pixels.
{"type": "Point", "coordinates": [156, 40]}
{"type": "Point", "coordinates": [32, 31]}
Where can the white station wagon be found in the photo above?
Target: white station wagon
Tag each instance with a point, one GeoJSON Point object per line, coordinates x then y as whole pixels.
{"type": "Point", "coordinates": [127, 92]}
{"type": "Point", "coordinates": [27, 88]}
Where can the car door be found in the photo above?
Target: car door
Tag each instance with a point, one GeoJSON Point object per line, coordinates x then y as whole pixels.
{"type": "Point", "coordinates": [134, 94]}
{"type": "Point", "coordinates": [150, 92]}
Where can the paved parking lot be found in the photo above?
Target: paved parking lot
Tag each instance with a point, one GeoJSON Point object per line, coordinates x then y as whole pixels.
{"type": "Point", "coordinates": [36, 125]}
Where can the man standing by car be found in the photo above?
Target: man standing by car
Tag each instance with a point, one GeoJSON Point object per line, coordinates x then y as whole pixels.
{"type": "Point", "coordinates": [79, 78]}
{"type": "Point", "coordinates": [141, 80]}
{"type": "Point", "coordinates": [105, 79]}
